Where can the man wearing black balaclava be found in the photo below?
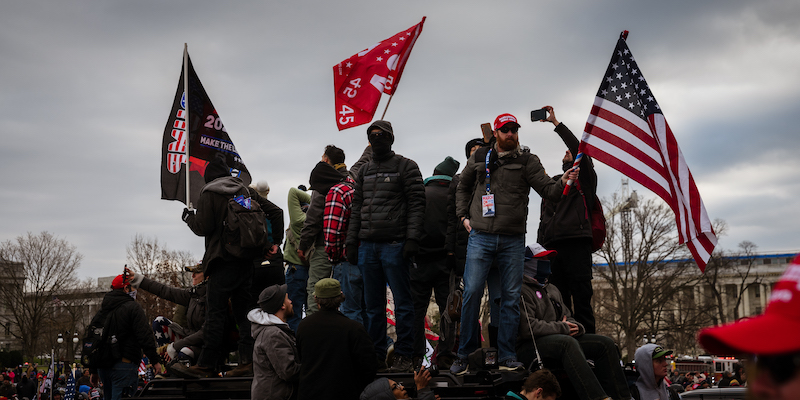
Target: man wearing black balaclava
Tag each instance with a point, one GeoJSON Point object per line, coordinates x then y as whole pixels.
{"type": "Point", "coordinates": [566, 226]}
{"type": "Point", "coordinates": [386, 224]}
{"type": "Point", "coordinates": [229, 277]}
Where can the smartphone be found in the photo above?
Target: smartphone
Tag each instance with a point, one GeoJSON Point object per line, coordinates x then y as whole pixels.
{"type": "Point", "coordinates": [486, 129]}
{"type": "Point", "coordinates": [539, 115]}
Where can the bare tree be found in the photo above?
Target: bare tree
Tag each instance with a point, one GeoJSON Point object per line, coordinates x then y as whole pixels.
{"type": "Point", "coordinates": [641, 270]}
{"type": "Point", "coordinates": [730, 270]}
{"type": "Point", "coordinates": [37, 270]}
{"type": "Point", "coordinates": [151, 258]}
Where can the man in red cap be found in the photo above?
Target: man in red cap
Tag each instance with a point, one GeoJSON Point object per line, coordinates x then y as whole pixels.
{"type": "Point", "coordinates": [492, 199]}
{"type": "Point", "coordinates": [771, 340]}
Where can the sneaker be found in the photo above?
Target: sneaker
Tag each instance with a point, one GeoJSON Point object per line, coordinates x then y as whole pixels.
{"type": "Point", "coordinates": [242, 370]}
{"type": "Point", "coordinates": [401, 364]}
{"type": "Point", "coordinates": [511, 365]}
{"type": "Point", "coordinates": [193, 372]}
{"type": "Point", "coordinates": [459, 367]}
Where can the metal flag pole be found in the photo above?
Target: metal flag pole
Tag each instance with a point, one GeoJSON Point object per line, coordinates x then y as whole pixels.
{"type": "Point", "coordinates": [387, 105]}
{"type": "Point", "coordinates": [186, 103]}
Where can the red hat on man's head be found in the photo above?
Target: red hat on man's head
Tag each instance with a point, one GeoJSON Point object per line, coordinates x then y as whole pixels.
{"type": "Point", "coordinates": [773, 332]}
{"type": "Point", "coordinates": [119, 282]}
{"type": "Point", "coordinates": [503, 119]}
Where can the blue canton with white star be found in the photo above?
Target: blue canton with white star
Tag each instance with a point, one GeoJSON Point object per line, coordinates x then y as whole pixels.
{"type": "Point", "coordinates": [624, 84]}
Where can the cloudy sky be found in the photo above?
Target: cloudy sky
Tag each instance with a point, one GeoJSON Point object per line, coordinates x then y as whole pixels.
{"type": "Point", "coordinates": [86, 89]}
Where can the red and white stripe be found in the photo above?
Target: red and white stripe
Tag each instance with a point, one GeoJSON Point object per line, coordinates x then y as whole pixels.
{"type": "Point", "coordinates": [648, 153]}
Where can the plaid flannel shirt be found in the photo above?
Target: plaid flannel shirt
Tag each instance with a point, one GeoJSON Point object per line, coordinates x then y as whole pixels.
{"type": "Point", "coordinates": [335, 219]}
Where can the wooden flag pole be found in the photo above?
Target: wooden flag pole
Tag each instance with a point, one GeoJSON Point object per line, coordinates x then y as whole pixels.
{"type": "Point", "coordinates": [387, 106]}
{"type": "Point", "coordinates": [186, 103]}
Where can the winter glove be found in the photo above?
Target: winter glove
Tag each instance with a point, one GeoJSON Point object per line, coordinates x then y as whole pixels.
{"type": "Point", "coordinates": [351, 251]}
{"type": "Point", "coordinates": [410, 249]}
{"type": "Point", "coordinates": [186, 214]}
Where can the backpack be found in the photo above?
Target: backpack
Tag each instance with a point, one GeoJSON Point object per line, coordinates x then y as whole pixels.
{"type": "Point", "coordinates": [100, 346]}
{"type": "Point", "coordinates": [244, 228]}
{"type": "Point", "coordinates": [598, 221]}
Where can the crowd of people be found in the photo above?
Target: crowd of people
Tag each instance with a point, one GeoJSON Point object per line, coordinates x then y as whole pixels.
{"type": "Point", "coordinates": [313, 317]}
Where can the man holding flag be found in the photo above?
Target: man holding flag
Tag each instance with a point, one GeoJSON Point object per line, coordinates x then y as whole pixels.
{"type": "Point", "coordinates": [566, 227]}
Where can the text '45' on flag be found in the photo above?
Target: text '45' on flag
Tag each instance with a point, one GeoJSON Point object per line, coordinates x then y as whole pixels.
{"type": "Point", "coordinates": [206, 138]}
{"type": "Point", "coordinates": [627, 131]}
{"type": "Point", "coordinates": [360, 79]}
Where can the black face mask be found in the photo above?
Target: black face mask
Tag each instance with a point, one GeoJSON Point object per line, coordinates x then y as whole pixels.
{"type": "Point", "coordinates": [566, 165]}
{"type": "Point", "coordinates": [381, 144]}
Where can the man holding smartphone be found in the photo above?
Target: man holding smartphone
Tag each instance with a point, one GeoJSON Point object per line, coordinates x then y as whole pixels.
{"type": "Point", "coordinates": [493, 188]}
{"type": "Point", "coordinates": [566, 227]}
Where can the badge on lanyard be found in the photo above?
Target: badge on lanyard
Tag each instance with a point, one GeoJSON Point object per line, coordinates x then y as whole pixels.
{"type": "Point", "coordinates": [487, 200]}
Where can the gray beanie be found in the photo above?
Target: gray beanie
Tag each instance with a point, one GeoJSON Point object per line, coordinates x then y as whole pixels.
{"type": "Point", "coordinates": [378, 390]}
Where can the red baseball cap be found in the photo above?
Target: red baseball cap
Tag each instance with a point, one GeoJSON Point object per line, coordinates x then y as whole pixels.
{"type": "Point", "coordinates": [539, 251]}
{"type": "Point", "coordinates": [119, 283]}
{"type": "Point", "coordinates": [503, 119]}
{"type": "Point", "coordinates": [773, 332]}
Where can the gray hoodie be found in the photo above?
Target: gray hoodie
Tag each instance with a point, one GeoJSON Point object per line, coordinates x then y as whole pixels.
{"type": "Point", "coordinates": [275, 366]}
{"type": "Point", "coordinates": [648, 388]}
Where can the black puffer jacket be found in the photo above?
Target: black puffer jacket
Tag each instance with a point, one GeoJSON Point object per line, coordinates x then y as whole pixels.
{"type": "Point", "coordinates": [130, 325]}
{"type": "Point", "coordinates": [193, 298]}
{"type": "Point", "coordinates": [388, 202]}
{"type": "Point", "coordinates": [569, 218]}
{"type": "Point", "coordinates": [433, 245]}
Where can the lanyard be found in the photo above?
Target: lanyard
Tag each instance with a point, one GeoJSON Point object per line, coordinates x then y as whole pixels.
{"type": "Point", "coordinates": [488, 154]}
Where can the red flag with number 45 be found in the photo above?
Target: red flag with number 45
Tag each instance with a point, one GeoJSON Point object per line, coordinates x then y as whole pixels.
{"type": "Point", "coordinates": [360, 79]}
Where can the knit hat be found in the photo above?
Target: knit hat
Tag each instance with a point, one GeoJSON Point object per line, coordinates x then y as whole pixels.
{"type": "Point", "coordinates": [447, 167]}
{"type": "Point", "coordinates": [327, 288]}
{"type": "Point", "coordinates": [771, 333]}
{"type": "Point", "coordinates": [271, 299]}
{"type": "Point", "coordinates": [262, 188]}
{"type": "Point", "coordinates": [378, 390]}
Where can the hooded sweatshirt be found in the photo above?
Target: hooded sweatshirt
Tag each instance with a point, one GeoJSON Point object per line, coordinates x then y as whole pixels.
{"type": "Point", "coordinates": [648, 388]}
{"type": "Point", "coordinates": [275, 366]}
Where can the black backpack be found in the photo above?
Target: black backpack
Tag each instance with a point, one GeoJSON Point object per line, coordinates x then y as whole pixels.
{"type": "Point", "coordinates": [244, 230]}
{"type": "Point", "coordinates": [100, 345]}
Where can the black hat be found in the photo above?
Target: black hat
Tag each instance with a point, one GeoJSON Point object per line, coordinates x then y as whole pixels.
{"type": "Point", "coordinates": [271, 299]}
{"type": "Point", "coordinates": [217, 168]}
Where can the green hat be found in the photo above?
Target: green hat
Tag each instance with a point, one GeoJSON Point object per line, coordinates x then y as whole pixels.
{"type": "Point", "coordinates": [659, 352]}
{"type": "Point", "coordinates": [447, 167]}
{"type": "Point", "coordinates": [327, 288]}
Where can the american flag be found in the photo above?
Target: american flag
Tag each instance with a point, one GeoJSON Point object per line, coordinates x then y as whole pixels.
{"type": "Point", "coordinates": [627, 131]}
{"type": "Point", "coordinates": [69, 393]}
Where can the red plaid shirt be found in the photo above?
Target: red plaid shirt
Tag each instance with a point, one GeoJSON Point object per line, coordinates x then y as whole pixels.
{"type": "Point", "coordinates": [335, 219]}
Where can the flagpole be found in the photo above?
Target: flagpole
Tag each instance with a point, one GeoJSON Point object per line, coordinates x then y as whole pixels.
{"type": "Point", "coordinates": [387, 105]}
{"type": "Point", "coordinates": [186, 100]}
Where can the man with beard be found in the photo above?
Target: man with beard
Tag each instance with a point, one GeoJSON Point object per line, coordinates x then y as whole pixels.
{"type": "Point", "coordinates": [387, 215]}
{"type": "Point", "coordinates": [566, 227]}
{"type": "Point", "coordinates": [493, 188]}
{"type": "Point", "coordinates": [336, 353]}
{"type": "Point", "coordinates": [312, 246]}
{"type": "Point", "coordinates": [275, 364]}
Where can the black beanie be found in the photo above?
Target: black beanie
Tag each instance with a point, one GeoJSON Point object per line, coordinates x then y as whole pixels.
{"type": "Point", "coordinates": [472, 143]}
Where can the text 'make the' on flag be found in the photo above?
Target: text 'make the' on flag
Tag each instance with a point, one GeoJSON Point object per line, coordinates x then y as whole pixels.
{"type": "Point", "coordinates": [360, 80]}
{"type": "Point", "coordinates": [627, 131]}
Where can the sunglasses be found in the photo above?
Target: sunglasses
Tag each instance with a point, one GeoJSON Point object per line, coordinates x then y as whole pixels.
{"type": "Point", "coordinates": [506, 129]}
{"type": "Point", "coordinates": [782, 368]}
{"type": "Point", "coordinates": [397, 385]}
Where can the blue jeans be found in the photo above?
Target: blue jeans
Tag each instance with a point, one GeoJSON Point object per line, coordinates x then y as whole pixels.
{"type": "Point", "coordinates": [296, 279]}
{"type": "Point", "coordinates": [508, 251]}
{"type": "Point", "coordinates": [122, 377]}
{"type": "Point", "coordinates": [382, 263]}
{"type": "Point", "coordinates": [352, 281]}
